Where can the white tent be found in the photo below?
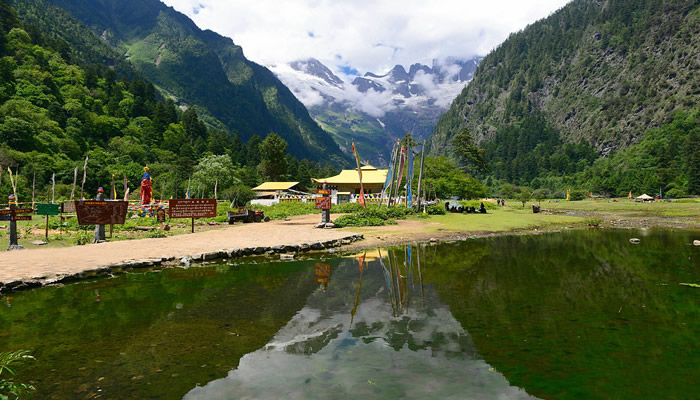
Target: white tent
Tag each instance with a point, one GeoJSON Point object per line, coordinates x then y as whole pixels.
{"type": "Point", "coordinates": [644, 197]}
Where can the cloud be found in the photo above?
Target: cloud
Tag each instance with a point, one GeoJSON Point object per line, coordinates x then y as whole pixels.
{"type": "Point", "coordinates": [346, 32]}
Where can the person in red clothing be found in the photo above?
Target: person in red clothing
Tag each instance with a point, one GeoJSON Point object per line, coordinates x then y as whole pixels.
{"type": "Point", "coordinates": [146, 187]}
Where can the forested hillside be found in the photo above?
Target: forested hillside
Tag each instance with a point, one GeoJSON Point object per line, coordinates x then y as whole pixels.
{"type": "Point", "coordinates": [55, 111]}
{"type": "Point", "coordinates": [598, 78]}
{"type": "Point", "coordinates": [194, 68]}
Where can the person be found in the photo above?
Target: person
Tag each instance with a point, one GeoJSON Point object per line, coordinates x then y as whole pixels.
{"type": "Point", "coordinates": [100, 229]}
{"type": "Point", "coordinates": [146, 187]}
{"type": "Point", "coordinates": [482, 208]}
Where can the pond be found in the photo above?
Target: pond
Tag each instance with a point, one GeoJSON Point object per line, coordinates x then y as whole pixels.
{"type": "Point", "coordinates": [578, 314]}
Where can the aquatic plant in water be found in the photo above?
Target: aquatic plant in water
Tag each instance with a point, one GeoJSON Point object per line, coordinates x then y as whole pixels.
{"type": "Point", "coordinates": [10, 390]}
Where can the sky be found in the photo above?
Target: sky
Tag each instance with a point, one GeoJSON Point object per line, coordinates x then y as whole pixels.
{"type": "Point", "coordinates": [358, 36]}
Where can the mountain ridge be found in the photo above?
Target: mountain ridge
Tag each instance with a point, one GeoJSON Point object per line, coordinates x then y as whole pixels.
{"type": "Point", "coordinates": [172, 52]}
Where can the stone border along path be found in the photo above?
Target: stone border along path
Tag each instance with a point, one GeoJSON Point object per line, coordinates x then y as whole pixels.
{"type": "Point", "coordinates": [28, 269]}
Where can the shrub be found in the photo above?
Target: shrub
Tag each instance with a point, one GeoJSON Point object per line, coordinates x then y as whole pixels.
{"type": "Point", "coordinates": [435, 210]}
{"type": "Point", "coordinates": [83, 237]}
{"type": "Point", "coordinates": [156, 233]}
{"type": "Point", "coordinates": [287, 209]}
{"type": "Point", "coordinates": [576, 195]}
{"type": "Point", "coordinates": [676, 194]}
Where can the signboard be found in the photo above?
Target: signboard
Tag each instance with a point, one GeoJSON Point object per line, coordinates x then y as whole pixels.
{"type": "Point", "coordinates": [323, 191]}
{"type": "Point", "coordinates": [68, 207]}
{"type": "Point", "coordinates": [15, 217]}
{"type": "Point", "coordinates": [93, 212]}
{"type": "Point", "coordinates": [47, 208]}
{"type": "Point", "coordinates": [192, 208]}
{"type": "Point", "coordinates": [323, 272]}
{"type": "Point", "coordinates": [160, 215]}
{"type": "Point", "coordinates": [323, 203]}
{"type": "Point", "coordinates": [16, 211]}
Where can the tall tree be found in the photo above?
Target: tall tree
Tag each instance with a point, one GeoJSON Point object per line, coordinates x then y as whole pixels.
{"type": "Point", "coordinates": [273, 163]}
{"type": "Point", "coordinates": [468, 152]}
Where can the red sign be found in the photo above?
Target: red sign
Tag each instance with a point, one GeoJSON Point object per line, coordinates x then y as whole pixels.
{"type": "Point", "coordinates": [93, 212]}
{"type": "Point", "coordinates": [192, 208]}
{"type": "Point", "coordinates": [323, 203]}
{"type": "Point", "coordinates": [323, 191]}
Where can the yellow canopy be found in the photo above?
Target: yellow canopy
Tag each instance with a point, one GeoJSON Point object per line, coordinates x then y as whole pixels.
{"type": "Point", "coordinates": [270, 186]}
{"type": "Point", "coordinates": [370, 176]}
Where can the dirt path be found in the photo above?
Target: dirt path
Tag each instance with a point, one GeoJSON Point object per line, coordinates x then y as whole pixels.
{"type": "Point", "coordinates": [22, 265]}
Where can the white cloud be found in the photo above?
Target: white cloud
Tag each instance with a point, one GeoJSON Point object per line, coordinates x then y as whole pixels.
{"type": "Point", "coordinates": [368, 35]}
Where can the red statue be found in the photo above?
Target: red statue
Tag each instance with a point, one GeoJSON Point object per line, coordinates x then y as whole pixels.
{"type": "Point", "coordinates": [146, 187]}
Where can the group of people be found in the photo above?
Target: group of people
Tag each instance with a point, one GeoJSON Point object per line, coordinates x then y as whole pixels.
{"type": "Point", "coordinates": [500, 202]}
{"type": "Point", "coordinates": [469, 210]}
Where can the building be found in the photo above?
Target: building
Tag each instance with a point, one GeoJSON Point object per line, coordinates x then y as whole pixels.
{"type": "Point", "coordinates": [273, 192]}
{"type": "Point", "coordinates": [347, 183]}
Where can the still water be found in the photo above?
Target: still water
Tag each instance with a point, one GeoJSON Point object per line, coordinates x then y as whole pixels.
{"type": "Point", "coordinates": [582, 314]}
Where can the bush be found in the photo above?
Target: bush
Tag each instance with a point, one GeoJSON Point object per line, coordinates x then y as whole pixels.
{"type": "Point", "coordinates": [676, 194]}
{"type": "Point", "coordinates": [374, 216]}
{"type": "Point", "coordinates": [287, 209]}
{"type": "Point", "coordinates": [347, 208]}
{"type": "Point", "coordinates": [156, 234]}
{"type": "Point", "coordinates": [83, 237]}
{"type": "Point", "coordinates": [435, 210]}
{"type": "Point", "coordinates": [576, 195]}
{"type": "Point", "coordinates": [239, 195]}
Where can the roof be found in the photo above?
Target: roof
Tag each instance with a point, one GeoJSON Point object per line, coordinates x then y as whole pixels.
{"type": "Point", "coordinates": [265, 194]}
{"type": "Point", "coordinates": [268, 186]}
{"type": "Point", "coordinates": [645, 197]}
{"type": "Point", "coordinates": [370, 176]}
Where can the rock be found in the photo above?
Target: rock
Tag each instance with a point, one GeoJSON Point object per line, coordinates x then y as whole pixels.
{"type": "Point", "coordinates": [696, 242]}
{"type": "Point", "coordinates": [144, 228]}
{"type": "Point", "coordinates": [635, 241]}
{"type": "Point", "coordinates": [15, 247]}
{"type": "Point", "coordinates": [286, 256]}
{"type": "Point", "coordinates": [186, 260]}
{"type": "Point", "coordinates": [346, 241]}
{"type": "Point", "coordinates": [317, 246]}
{"type": "Point", "coordinates": [212, 223]}
{"type": "Point", "coordinates": [433, 240]}
{"type": "Point", "coordinates": [304, 247]}
{"type": "Point", "coordinates": [329, 225]}
{"type": "Point", "coordinates": [39, 243]}
{"type": "Point", "coordinates": [166, 228]}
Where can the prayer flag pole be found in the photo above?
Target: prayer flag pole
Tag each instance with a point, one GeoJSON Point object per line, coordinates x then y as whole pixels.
{"type": "Point", "coordinates": [82, 186]}
{"type": "Point", "coordinates": [359, 173]}
{"type": "Point", "coordinates": [420, 176]}
{"type": "Point", "coordinates": [75, 180]}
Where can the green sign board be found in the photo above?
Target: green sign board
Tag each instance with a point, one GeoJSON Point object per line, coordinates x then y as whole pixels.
{"type": "Point", "coordinates": [47, 209]}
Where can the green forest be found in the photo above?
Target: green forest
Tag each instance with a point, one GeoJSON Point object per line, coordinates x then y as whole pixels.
{"type": "Point", "coordinates": [54, 112]}
{"type": "Point", "coordinates": [599, 96]}
{"type": "Point", "coordinates": [531, 153]}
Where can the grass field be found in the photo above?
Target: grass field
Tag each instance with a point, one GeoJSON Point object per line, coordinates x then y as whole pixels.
{"type": "Point", "coordinates": [657, 208]}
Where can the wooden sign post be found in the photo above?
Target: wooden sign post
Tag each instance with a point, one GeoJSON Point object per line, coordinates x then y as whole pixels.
{"type": "Point", "coordinates": [101, 213]}
{"type": "Point", "coordinates": [47, 209]}
{"type": "Point", "coordinates": [11, 216]}
{"type": "Point", "coordinates": [324, 203]}
{"type": "Point", "coordinates": [192, 208]}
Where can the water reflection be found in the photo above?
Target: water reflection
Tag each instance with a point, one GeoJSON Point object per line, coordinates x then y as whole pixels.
{"type": "Point", "coordinates": [375, 330]}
